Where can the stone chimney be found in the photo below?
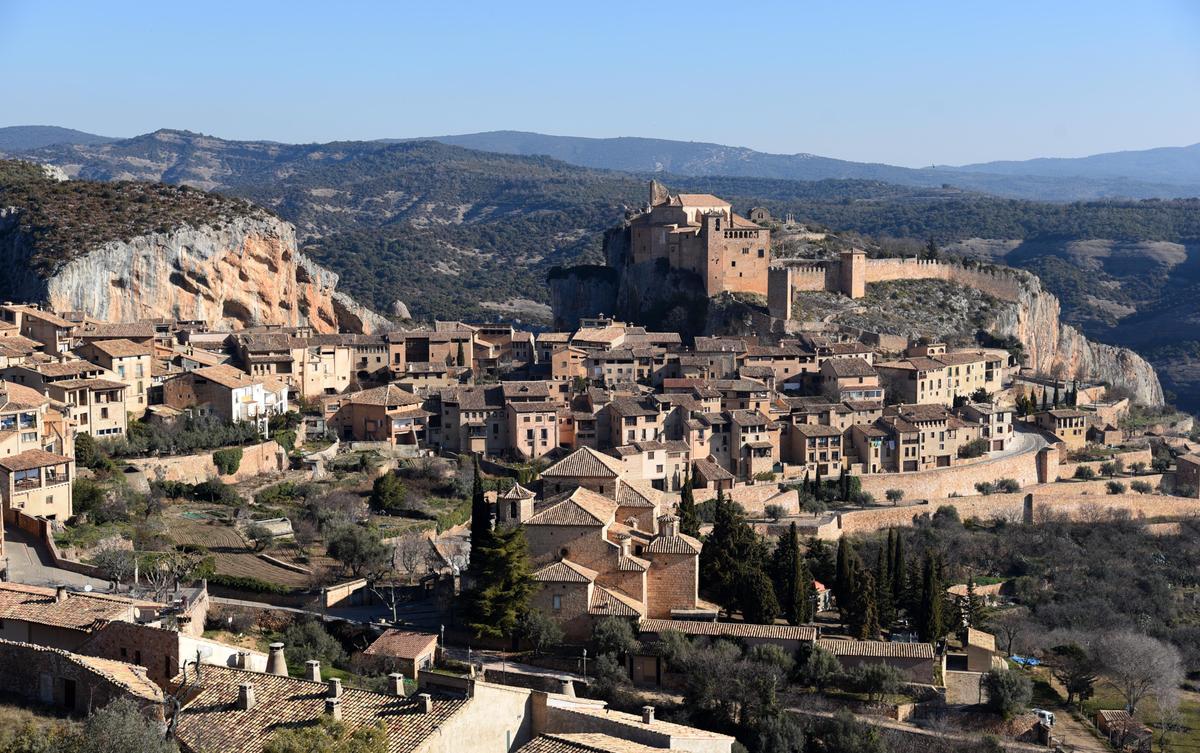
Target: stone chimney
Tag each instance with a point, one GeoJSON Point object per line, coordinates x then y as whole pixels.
{"type": "Point", "coordinates": [245, 700]}
{"type": "Point", "coordinates": [624, 543]}
{"type": "Point", "coordinates": [566, 687]}
{"type": "Point", "coordinates": [396, 683]}
{"type": "Point", "coordinates": [647, 715]}
{"type": "Point", "coordinates": [243, 660]}
{"type": "Point", "coordinates": [426, 703]}
{"type": "Point", "coordinates": [335, 688]}
{"type": "Point", "coordinates": [60, 594]}
{"type": "Point", "coordinates": [333, 707]}
{"type": "Point", "coordinates": [669, 525]}
{"type": "Point", "coordinates": [276, 664]}
{"type": "Point", "coordinates": [312, 670]}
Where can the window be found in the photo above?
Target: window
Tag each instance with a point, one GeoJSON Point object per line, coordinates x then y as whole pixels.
{"type": "Point", "coordinates": [557, 599]}
{"type": "Point", "coordinates": [104, 413]}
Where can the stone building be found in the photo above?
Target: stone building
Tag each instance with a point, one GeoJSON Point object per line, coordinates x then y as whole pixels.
{"type": "Point", "coordinates": [700, 233]}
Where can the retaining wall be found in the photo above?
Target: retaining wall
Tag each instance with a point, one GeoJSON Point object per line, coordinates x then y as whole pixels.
{"type": "Point", "coordinates": [258, 459]}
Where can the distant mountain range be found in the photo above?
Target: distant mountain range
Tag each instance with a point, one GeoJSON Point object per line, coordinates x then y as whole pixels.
{"type": "Point", "coordinates": [459, 233]}
{"type": "Point", "coordinates": [23, 138]}
{"type": "Point", "coordinates": [1167, 172]}
{"type": "Point", "coordinates": [1155, 173]}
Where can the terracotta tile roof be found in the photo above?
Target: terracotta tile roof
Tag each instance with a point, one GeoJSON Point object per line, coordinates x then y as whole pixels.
{"type": "Point", "coordinates": [405, 644]}
{"type": "Point", "coordinates": [516, 491]}
{"type": "Point", "coordinates": [115, 330]}
{"type": "Point", "coordinates": [87, 384]}
{"type": "Point", "coordinates": [76, 611]}
{"type": "Point", "coordinates": [732, 629]}
{"type": "Point", "coordinates": [585, 463]}
{"type": "Point", "coordinates": [610, 602]}
{"type": "Point", "coordinates": [525, 390]}
{"type": "Point", "coordinates": [128, 676]}
{"type": "Point", "coordinates": [24, 461]}
{"type": "Point", "coordinates": [636, 493]}
{"type": "Point", "coordinates": [17, 396]}
{"type": "Point", "coordinates": [67, 368]}
{"type": "Point", "coordinates": [849, 367]}
{"type": "Point", "coordinates": [879, 649]}
{"type": "Point", "coordinates": [631, 564]}
{"type": "Point", "coordinates": [211, 721]}
{"type": "Point", "coordinates": [711, 471]}
{"type": "Point", "coordinates": [122, 348]}
{"type": "Point", "coordinates": [534, 406]}
{"type": "Point", "coordinates": [581, 507]}
{"type": "Point", "coordinates": [565, 571]}
{"type": "Point", "coordinates": [680, 544]}
{"type": "Point", "coordinates": [388, 394]}
{"type": "Point", "coordinates": [584, 742]}
{"type": "Point", "coordinates": [225, 375]}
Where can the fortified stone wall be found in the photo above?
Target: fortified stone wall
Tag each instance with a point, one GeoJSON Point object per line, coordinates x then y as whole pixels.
{"type": "Point", "coordinates": [943, 482]}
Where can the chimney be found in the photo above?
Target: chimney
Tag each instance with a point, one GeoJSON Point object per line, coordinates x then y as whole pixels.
{"type": "Point", "coordinates": [426, 703]}
{"type": "Point", "coordinates": [396, 683]}
{"type": "Point", "coordinates": [647, 715]}
{"type": "Point", "coordinates": [333, 707]}
{"type": "Point", "coordinates": [312, 670]}
{"type": "Point", "coordinates": [60, 594]}
{"type": "Point", "coordinates": [335, 688]}
{"type": "Point", "coordinates": [566, 687]}
{"type": "Point", "coordinates": [624, 545]}
{"type": "Point", "coordinates": [243, 660]}
{"type": "Point", "coordinates": [276, 664]}
{"type": "Point", "coordinates": [245, 700]}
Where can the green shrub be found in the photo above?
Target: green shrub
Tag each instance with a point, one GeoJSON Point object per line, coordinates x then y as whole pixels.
{"type": "Point", "coordinates": [228, 460]}
{"type": "Point", "coordinates": [1115, 487]}
{"type": "Point", "coordinates": [286, 439]}
{"type": "Point", "coordinates": [1141, 487]}
{"type": "Point", "coordinates": [1085, 473]}
{"type": "Point", "coordinates": [246, 583]}
{"type": "Point", "coordinates": [973, 449]}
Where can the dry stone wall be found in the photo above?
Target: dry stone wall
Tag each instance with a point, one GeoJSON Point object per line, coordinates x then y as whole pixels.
{"type": "Point", "coordinates": [258, 459]}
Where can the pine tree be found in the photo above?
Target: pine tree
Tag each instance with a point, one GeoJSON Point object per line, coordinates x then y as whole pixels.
{"type": "Point", "coordinates": [972, 610]}
{"type": "Point", "coordinates": [689, 519]}
{"type": "Point", "coordinates": [503, 582]}
{"type": "Point", "coordinates": [730, 550]}
{"type": "Point", "coordinates": [884, 604]}
{"type": "Point", "coordinates": [931, 618]}
{"type": "Point", "coordinates": [481, 517]}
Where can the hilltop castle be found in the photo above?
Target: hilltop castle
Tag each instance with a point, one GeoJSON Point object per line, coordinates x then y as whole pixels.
{"type": "Point", "coordinates": [700, 233]}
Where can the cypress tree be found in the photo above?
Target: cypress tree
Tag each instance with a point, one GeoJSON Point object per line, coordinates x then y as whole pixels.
{"type": "Point", "coordinates": [899, 571]}
{"type": "Point", "coordinates": [817, 483]}
{"type": "Point", "coordinates": [1045, 399]}
{"type": "Point", "coordinates": [481, 518]}
{"type": "Point", "coordinates": [804, 594]}
{"type": "Point", "coordinates": [931, 617]}
{"type": "Point", "coordinates": [461, 357]}
{"type": "Point", "coordinates": [1055, 395]}
{"type": "Point", "coordinates": [503, 583]}
{"type": "Point", "coordinates": [864, 617]}
{"type": "Point", "coordinates": [689, 519]}
{"type": "Point", "coordinates": [882, 584]}
{"type": "Point", "coordinates": [841, 583]}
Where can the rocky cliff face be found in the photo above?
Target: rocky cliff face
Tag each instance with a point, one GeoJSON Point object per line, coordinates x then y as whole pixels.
{"type": "Point", "coordinates": [1057, 348]}
{"type": "Point", "coordinates": [241, 272]}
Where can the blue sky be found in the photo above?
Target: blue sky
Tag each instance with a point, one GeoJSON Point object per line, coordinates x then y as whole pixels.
{"type": "Point", "coordinates": [911, 83]}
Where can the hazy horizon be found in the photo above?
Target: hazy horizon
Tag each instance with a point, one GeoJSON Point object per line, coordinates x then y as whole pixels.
{"type": "Point", "coordinates": [953, 84]}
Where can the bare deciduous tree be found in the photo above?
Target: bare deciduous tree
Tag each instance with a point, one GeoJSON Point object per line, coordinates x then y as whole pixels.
{"type": "Point", "coordinates": [411, 553]}
{"type": "Point", "coordinates": [1138, 665]}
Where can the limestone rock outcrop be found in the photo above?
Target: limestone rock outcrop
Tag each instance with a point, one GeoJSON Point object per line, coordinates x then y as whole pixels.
{"type": "Point", "coordinates": [240, 272]}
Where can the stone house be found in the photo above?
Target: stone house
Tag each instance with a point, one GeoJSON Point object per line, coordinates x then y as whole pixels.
{"type": "Point", "coordinates": [403, 651]}
{"type": "Point", "coordinates": [228, 393]}
{"type": "Point", "coordinates": [914, 661]}
{"type": "Point", "coordinates": [36, 455]}
{"type": "Point", "coordinates": [127, 362]}
{"type": "Point", "coordinates": [96, 406]}
{"type": "Point", "coordinates": [816, 447]}
{"type": "Point", "coordinates": [382, 414]}
{"type": "Point", "coordinates": [1068, 426]}
{"type": "Point", "coordinates": [1187, 473]}
{"type": "Point", "coordinates": [850, 379]}
{"type": "Point", "coordinates": [930, 375]}
{"type": "Point", "coordinates": [72, 682]}
{"type": "Point", "coordinates": [532, 428]}
{"type": "Point", "coordinates": [996, 424]}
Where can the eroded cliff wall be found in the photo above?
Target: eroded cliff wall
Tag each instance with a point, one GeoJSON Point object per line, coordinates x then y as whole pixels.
{"type": "Point", "coordinates": [242, 272]}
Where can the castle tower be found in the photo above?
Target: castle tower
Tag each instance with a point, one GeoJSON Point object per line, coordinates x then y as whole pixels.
{"type": "Point", "coordinates": [515, 505]}
{"type": "Point", "coordinates": [852, 273]}
{"type": "Point", "coordinates": [779, 292]}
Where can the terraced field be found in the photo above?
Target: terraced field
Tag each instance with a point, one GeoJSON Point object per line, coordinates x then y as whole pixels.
{"type": "Point", "coordinates": [232, 555]}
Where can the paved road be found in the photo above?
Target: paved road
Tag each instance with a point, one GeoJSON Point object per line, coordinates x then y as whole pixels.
{"type": "Point", "coordinates": [29, 562]}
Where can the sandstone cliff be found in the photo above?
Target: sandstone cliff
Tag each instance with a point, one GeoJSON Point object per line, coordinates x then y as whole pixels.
{"type": "Point", "coordinates": [1057, 348]}
{"type": "Point", "coordinates": [234, 273]}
